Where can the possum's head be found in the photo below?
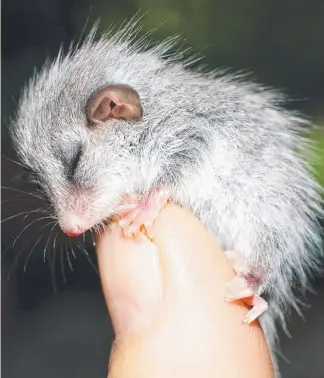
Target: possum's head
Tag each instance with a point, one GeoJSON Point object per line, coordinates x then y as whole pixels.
{"type": "Point", "coordinates": [77, 125]}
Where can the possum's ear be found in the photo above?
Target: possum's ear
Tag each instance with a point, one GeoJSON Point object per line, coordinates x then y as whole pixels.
{"type": "Point", "coordinates": [114, 101]}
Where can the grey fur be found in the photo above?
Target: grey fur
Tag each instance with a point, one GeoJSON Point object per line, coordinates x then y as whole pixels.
{"type": "Point", "coordinates": [225, 147]}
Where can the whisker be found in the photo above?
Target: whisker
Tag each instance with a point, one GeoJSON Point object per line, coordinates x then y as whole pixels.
{"type": "Point", "coordinates": [41, 191]}
{"type": "Point", "coordinates": [96, 229]}
{"type": "Point", "coordinates": [102, 227]}
{"type": "Point", "coordinates": [99, 228]}
{"type": "Point", "coordinates": [18, 199]}
{"type": "Point", "coordinates": [45, 210]}
{"type": "Point", "coordinates": [39, 210]}
{"type": "Point", "coordinates": [16, 162]}
{"type": "Point", "coordinates": [34, 246]}
{"type": "Point", "coordinates": [25, 228]}
{"type": "Point", "coordinates": [16, 260]}
{"type": "Point", "coordinates": [31, 251]}
{"type": "Point", "coordinates": [54, 241]}
{"type": "Point", "coordinates": [21, 191]}
{"type": "Point", "coordinates": [4, 253]}
{"type": "Point", "coordinates": [47, 224]}
{"type": "Point", "coordinates": [45, 249]}
{"type": "Point", "coordinates": [86, 254]}
{"type": "Point", "coordinates": [68, 254]}
{"type": "Point", "coordinates": [52, 264]}
{"type": "Point", "coordinates": [11, 244]}
{"type": "Point", "coordinates": [73, 253]}
{"type": "Point", "coordinates": [62, 263]}
{"type": "Point", "coordinates": [93, 240]}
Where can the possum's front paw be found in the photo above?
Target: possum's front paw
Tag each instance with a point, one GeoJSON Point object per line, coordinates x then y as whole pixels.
{"type": "Point", "coordinates": [243, 286]}
{"type": "Point", "coordinates": [143, 213]}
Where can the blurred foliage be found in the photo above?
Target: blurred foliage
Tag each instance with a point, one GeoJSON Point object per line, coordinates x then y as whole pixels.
{"type": "Point", "coordinates": [316, 156]}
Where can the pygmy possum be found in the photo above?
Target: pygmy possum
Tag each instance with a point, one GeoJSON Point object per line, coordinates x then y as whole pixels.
{"type": "Point", "coordinates": [115, 118]}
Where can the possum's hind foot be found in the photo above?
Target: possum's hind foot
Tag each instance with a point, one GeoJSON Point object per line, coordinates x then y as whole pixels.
{"type": "Point", "coordinates": [243, 286]}
{"type": "Point", "coordinates": [143, 213]}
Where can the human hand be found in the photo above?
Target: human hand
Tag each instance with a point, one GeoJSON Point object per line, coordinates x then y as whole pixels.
{"type": "Point", "coordinates": [166, 301]}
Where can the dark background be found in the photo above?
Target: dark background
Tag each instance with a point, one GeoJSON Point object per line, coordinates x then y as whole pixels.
{"type": "Point", "coordinates": [68, 334]}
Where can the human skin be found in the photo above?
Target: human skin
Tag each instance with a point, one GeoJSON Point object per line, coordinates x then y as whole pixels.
{"type": "Point", "coordinates": [166, 302]}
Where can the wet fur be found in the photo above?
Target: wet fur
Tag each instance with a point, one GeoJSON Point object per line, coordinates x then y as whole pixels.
{"type": "Point", "coordinates": [225, 147]}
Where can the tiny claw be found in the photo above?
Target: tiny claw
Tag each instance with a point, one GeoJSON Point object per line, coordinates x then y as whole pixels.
{"type": "Point", "coordinates": [243, 286]}
{"type": "Point", "coordinates": [259, 307]}
{"type": "Point", "coordinates": [143, 213]}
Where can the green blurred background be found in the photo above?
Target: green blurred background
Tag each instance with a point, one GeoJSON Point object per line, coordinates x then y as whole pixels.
{"type": "Point", "coordinates": [280, 42]}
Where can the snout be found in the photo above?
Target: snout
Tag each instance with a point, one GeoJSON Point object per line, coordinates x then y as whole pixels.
{"type": "Point", "coordinates": [73, 232]}
{"type": "Point", "coordinates": [74, 225]}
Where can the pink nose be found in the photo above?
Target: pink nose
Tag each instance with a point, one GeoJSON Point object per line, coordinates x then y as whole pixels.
{"type": "Point", "coordinates": [75, 231]}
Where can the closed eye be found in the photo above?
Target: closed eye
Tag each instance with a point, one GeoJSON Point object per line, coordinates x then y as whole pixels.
{"type": "Point", "coordinates": [75, 161]}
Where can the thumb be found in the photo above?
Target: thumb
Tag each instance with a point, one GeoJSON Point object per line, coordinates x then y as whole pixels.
{"type": "Point", "coordinates": [131, 279]}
